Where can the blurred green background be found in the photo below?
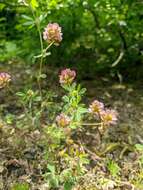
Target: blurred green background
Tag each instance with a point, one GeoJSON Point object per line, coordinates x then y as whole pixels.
{"type": "Point", "coordinates": [99, 36]}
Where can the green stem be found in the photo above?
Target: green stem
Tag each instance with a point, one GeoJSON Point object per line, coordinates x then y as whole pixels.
{"type": "Point", "coordinates": [30, 107]}
{"type": "Point", "coordinates": [37, 22]}
{"type": "Point", "coordinates": [91, 124]}
{"type": "Point", "coordinates": [49, 46]}
{"type": "Point", "coordinates": [41, 42]}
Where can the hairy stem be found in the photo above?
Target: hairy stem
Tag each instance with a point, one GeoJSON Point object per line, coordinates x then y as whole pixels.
{"type": "Point", "coordinates": [37, 22]}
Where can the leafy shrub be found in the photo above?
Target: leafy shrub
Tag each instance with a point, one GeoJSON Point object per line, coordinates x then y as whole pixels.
{"type": "Point", "coordinates": [99, 35]}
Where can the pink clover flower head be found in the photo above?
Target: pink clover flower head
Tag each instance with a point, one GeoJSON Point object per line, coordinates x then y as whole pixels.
{"type": "Point", "coordinates": [109, 116]}
{"type": "Point", "coordinates": [96, 107]}
{"type": "Point", "coordinates": [63, 120]}
{"type": "Point", "coordinates": [53, 33]}
{"type": "Point", "coordinates": [5, 78]}
{"type": "Point", "coordinates": [67, 76]}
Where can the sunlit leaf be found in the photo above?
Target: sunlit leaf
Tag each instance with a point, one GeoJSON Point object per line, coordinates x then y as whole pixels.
{"type": "Point", "coordinates": [34, 4]}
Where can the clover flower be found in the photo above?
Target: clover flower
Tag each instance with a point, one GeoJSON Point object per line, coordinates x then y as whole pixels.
{"type": "Point", "coordinates": [67, 76]}
{"type": "Point", "coordinates": [63, 120]}
{"type": "Point", "coordinates": [53, 33]}
{"type": "Point", "coordinates": [5, 78]}
{"type": "Point", "coordinates": [96, 107]}
{"type": "Point", "coordinates": [109, 116]}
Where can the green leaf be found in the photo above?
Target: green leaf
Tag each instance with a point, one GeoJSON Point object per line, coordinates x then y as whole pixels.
{"type": "Point", "coordinates": [54, 181]}
{"type": "Point", "coordinates": [73, 126]}
{"type": "Point", "coordinates": [28, 23]}
{"type": "Point", "coordinates": [43, 76]}
{"type": "Point", "coordinates": [51, 168]}
{"type": "Point", "coordinates": [11, 47]}
{"type": "Point", "coordinates": [82, 110]}
{"type": "Point", "coordinates": [18, 186]}
{"type": "Point", "coordinates": [68, 185]}
{"type": "Point", "coordinates": [2, 5]}
{"type": "Point", "coordinates": [34, 4]}
{"type": "Point", "coordinates": [38, 99]}
{"type": "Point", "coordinates": [42, 17]}
{"type": "Point", "coordinates": [113, 168]}
{"type": "Point", "coordinates": [83, 90]}
{"type": "Point", "coordinates": [65, 98]}
{"type": "Point", "coordinates": [78, 87]}
{"type": "Point", "coordinates": [139, 147]}
{"type": "Point", "coordinates": [21, 94]}
{"type": "Point", "coordinates": [9, 118]}
{"type": "Point", "coordinates": [27, 17]}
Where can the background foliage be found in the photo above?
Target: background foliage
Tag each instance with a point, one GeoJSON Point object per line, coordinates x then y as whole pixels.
{"type": "Point", "coordinates": [99, 35]}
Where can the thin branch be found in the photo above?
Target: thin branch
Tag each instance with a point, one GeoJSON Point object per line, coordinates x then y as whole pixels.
{"type": "Point", "coordinates": [120, 57]}
{"type": "Point", "coordinates": [92, 154]}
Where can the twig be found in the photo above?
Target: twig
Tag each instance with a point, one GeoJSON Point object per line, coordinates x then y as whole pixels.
{"type": "Point", "coordinates": [93, 155]}
{"type": "Point", "coordinates": [118, 59]}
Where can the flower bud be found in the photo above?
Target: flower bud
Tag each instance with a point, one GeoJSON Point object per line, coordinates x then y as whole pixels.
{"type": "Point", "coordinates": [96, 107]}
{"type": "Point", "coordinates": [62, 120]}
{"type": "Point", "coordinates": [53, 33]}
{"type": "Point", "coordinates": [5, 78]}
{"type": "Point", "coordinates": [109, 117]}
{"type": "Point", "coordinates": [67, 76]}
